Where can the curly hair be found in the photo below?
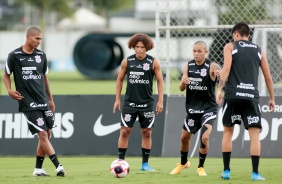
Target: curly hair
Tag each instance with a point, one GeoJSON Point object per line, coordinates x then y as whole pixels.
{"type": "Point", "coordinates": [139, 37]}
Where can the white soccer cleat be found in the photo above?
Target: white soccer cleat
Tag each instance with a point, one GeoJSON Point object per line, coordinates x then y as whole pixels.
{"type": "Point", "coordinates": [60, 171]}
{"type": "Point", "coordinates": [39, 172]}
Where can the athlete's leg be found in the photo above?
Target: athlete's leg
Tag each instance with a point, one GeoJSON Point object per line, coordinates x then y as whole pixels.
{"type": "Point", "coordinates": [204, 145]}
{"type": "Point", "coordinates": [255, 147]}
{"type": "Point", "coordinates": [184, 145]}
{"type": "Point", "coordinates": [146, 138]}
{"type": "Point", "coordinates": [123, 141]}
{"type": "Point", "coordinates": [227, 146]}
{"type": "Point", "coordinates": [40, 153]}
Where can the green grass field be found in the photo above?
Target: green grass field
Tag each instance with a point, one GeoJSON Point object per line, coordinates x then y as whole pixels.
{"type": "Point", "coordinates": [96, 170]}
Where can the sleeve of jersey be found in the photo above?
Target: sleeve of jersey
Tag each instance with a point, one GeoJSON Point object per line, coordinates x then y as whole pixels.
{"type": "Point", "coordinates": [9, 64]}
{"type": "Point", "coordinates": [45, 66]}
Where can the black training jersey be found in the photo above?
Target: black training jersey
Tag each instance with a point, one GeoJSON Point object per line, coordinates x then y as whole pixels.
{"type": "Point", "coordinates": [28, 71]}
{"type": "Point", "coordinates": [140, 76]}
{"type": "Point", "coordinates": [242, 81]}
{"type": "Point", "coordinates": [200, 92]}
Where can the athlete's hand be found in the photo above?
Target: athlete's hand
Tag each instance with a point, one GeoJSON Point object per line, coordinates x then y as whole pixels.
{"type": "Point", "coordinates": [185, 80]}
{"type": "Point", "coordinates": [217, 73]}
{"type": "Point", "coordinates": [52, 105]}
{"type": "Point", "coordinates": [116, 105]}
{"type": "Point", "coordinates": [271, 105]}
{"type": "Point", "coordinates": [159, 108]}
{"type": "Point", "coordinates": [15, 95]}
{"type": "Point", "coordinates": [219, 97]}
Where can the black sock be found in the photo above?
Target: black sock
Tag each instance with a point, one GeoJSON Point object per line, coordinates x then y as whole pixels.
{"type": "Point", "coordinates": [121, 153]}
{"type": "Point", "coordinates": [145, 155]}
{"type": "Point", "coordinates": [39, 162]}
{"type": "Point", "coordinates": [183, 157]}
{"type": "Point", "coordinates": [202, 158]}
{"type": "Point", "coordinates": [255, 163]}
{"type": "Point", "coordinates": [55, 160]}
{"type": "Point", "coordinates": [226, 160]}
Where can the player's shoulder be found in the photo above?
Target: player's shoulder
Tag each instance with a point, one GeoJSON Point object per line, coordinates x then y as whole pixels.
{"type": "Point", "coordinates": [39, 52]}
{"type": "Point", "coordinates": [16, 51]}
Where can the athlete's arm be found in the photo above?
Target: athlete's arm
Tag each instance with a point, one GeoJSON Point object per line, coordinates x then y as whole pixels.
{"type": "Point", "coordinates": [184, 79]}
{"type": "Point", "coordinates": [160, 85]}
{"type": "Point", "coordinates": [227, 52]}
{"type": "Point", "coordinates": [49, 94]}
{"type": "Point", "coordinates": [268, 81]}
{"type": "Point", "coordinates": [14, 94]}
{"type": "Point", "coordinates": [120, 77]}
{"type": "Point", "coordinates": [214, 70]}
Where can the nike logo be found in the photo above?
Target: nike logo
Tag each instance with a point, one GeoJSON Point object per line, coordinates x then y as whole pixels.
{"type": "Point", "coordinates": [101, 130]}
{"type": "Point", "coordinates": [21, 59]}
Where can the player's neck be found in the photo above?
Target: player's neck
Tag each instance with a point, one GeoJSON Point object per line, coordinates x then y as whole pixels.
{"type": "Point", "coordinates": [27, 49]}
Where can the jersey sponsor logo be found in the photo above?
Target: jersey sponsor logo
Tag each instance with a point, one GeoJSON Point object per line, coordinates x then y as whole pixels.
{"type": "Point", "coordinates": [193, 111]}
{"type": "Point", "coordinates": [246, 86]}
{"type": "Point", "coordinates": [245, 95]}
{"type": "Point", "coordinates": [194, 84]}
{"type": "Point", "coordinates": [40, 121]}
{"type": "Point", "coordinates": [18, 52]}
{"type": "Point", "coordinates": [149, 114]}
{"type": "Point", "coordinates": [28, 73]}
{"type": "Point", "coordinates": [37, 59]}
{"type": "Point", "coordinates": [252, 120]}
{"type": "Point", "coordinates": [30, 59]}
{"type": "Point", "coordinates": [21, 59]}
{"type": "Point", "coordinates": [35, 105]}
{"type": "Point", "coordinates": [236, 117]}
{"type": "Point", "coordinates": [131, 59]}
{"type": "Point", "coordinates": [136, 73]}
{"type": "Point", "coordinates": [203, 72]}
{"type": "Point", "coordinates": [138, 105]}
{"type": "Point", "coordinates": [101, 130]}
{"type": "Point", "coordinates": [28, 68]}
{"type": "Point", "coordinates": [146, 66]}
{"type": "Point", "coordinates": [243, 44]}
{"type": "Point", "coordinates": [191, 64]}
{"type": "Point", "coordinates": [40, 53]}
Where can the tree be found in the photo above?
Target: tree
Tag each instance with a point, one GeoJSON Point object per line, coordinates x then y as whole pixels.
{"type": "Point", "coordinates": [105, 7]}
{"type": "Point", "coordinates": [250, 11]}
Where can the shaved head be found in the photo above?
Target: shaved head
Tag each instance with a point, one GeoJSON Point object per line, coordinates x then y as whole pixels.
{"type": "Point", "coordinates": [33, 31]}
{"type": "Point", "coordinates": [202, 43]}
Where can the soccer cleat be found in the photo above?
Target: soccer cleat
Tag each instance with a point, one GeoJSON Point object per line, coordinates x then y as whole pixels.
{"type": "Point", "coordinates": [257, 176]}
{"type": "Point", "coordinates": [201, 171]}
{"type": "Point", "coordinates": [179, 167]}
{"type": "Point", "coordinates": [147, 167]}
{"type": "Point", "coordinates": [60, 171]}
{"type": "Point", "coordinates": [225, 174]}
{"type": "Point", "coordinates": [39, 172]}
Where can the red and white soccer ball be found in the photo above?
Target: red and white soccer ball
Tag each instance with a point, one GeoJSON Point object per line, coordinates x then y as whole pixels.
{"type": "Point", "coordinates": [119, 168]}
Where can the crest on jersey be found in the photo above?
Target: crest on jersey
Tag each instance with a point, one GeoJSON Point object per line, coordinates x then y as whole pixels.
{"type": "Point", "coordinates": [37, 59]}
{"type": "Point", "coordinates": [203, 72]}
{"type": "Point", "coordinates": [40, 121]}
{"type": "Point", "coordinates": [146, 66]}
{"type": "Point", "coordinates": [127, 117]}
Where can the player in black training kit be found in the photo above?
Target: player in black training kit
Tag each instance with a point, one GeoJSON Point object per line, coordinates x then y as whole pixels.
{"type": "Point", "coordinates": [199, 79]}
{"type": "Point", "coordinates": [240, 71]}
{"type": "Point", "coordinates": [29, 68]}
{"type": "Point", "coordinates": [140, 69]}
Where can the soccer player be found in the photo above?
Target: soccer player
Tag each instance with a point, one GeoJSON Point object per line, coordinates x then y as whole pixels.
{"type": "Point", "coordinates": [239, 75]}
{"type": "Point", "coordinates": [140, 69]}
{"type": "Point", "coordinates": [29, 68]}
{"type": "Point", "coordinates": [199, 79]}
